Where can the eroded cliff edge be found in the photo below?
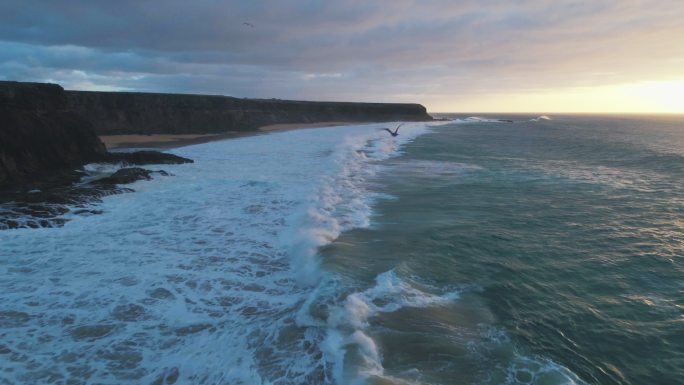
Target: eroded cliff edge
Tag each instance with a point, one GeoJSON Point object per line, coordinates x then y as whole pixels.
{"type": "Point", "coordinates": [39, 133]}
{"type": "Point", "coordinates": [43, 147]}
{"type": "Point", "coordinates": [113, 113]}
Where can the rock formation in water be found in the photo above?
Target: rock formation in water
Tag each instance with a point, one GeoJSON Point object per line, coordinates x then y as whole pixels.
{"type": "Point", "coordinates": [129, 175]}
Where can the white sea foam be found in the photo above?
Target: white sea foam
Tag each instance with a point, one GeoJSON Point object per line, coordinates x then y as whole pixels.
{"type": "Point", "coordinates": [540, 118]}
{"type": "Point", "coordinates": [94, 171]}
{"type": "Point", "coordinates": [537, 370]}
{"type": "Point", "coordinates": [198, 276]}
{"type": "Point", "coordinates": [477, 119]}
{"type": "Point", "coordinates": [212, 276]}
{"type": "Point", "coordinates": [346, 326]}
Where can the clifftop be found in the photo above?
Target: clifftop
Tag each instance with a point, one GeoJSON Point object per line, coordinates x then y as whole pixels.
{"type": "Point", "coordinates": [114, 113]}
{"type": "Point", "coordinates": [31, 96]}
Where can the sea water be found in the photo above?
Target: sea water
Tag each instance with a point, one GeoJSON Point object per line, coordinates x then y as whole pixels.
{"type": "Point", "coordinates": [545, 251]}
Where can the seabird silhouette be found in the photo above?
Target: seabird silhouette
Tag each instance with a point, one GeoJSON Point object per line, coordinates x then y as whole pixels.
{"type": "Point", "coordinates": [248, 24]}
{"type": "Point", "coordinates": [396, 130]}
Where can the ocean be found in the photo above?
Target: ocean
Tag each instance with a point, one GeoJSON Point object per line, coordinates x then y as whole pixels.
{"type": "Point", "coordinates": [545, 251]}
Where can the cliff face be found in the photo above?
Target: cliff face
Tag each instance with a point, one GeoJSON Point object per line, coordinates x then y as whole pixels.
{"type": "Point", "coordinates": [44, 128]}
{"type": "Point", "coordinates": [114, 113]}
{"type": "Point", "coordinates": [38, 132]}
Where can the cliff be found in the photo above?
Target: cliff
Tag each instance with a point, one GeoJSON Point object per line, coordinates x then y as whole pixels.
{"type": "Point", "coordinates": [38, 132]}
{"type": "Point", "coordinates": [44, 128]}
{"type": "Point", "coordinates": [48, 134]}
{"type": "Point", "coordinates": [114, 113]}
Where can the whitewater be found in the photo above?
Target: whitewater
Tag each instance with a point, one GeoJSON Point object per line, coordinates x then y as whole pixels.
{"type": "Point", "coordinates": [485, 250]}
{"type": "Point", "coordinates": [206, 276]}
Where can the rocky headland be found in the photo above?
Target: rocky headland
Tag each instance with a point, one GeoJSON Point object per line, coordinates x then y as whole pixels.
{"type": "Point", "coordinates": [43, 148]}
{"type": "Point", "coordinates": [48, 134]}
{"type": "Point", "coordinates": [39, 134]}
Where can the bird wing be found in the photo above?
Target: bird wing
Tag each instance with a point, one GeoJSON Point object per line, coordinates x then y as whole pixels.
{"type": "Point", "coordinates": [388, 130]}
{"type": "Point", "coordinates": [397, 129]}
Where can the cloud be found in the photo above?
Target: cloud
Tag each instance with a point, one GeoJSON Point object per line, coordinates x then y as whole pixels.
{"type": "Point", "coordinates": [395, 50]}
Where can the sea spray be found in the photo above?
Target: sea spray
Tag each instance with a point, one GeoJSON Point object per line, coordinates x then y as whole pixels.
{"type": "Point", "coordinates": [198, 278]}
{"type": "Point", "coordinates": [342, 201]}
{"type": "Point", "coordinates": [347, 336]}
{"type": "Point", "coordinates": [400, 326]}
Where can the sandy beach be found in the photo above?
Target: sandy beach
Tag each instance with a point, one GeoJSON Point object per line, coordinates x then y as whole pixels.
{"type": "Point", "coordinates": [179, 140]}
{"type": "Point", "coordinates": [294, 126]}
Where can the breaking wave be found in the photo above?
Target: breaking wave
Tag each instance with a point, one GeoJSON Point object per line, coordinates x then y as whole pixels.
{"type": "Point", "coordinates": [197, 278]}
{"type": "Point", "coordinates": [540, 118]}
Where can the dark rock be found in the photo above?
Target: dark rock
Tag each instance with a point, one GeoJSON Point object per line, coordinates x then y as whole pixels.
{"type": "Point", "coordinates": [42, 203]}
{"type": "Point", "coordinates": [127, 175]}
{"type": "Point", "coordinates": [86, 212]}
{"type": "Point", "coordinates": [38, 134]}
{"type": "Point", "coordinates": [141, 158]}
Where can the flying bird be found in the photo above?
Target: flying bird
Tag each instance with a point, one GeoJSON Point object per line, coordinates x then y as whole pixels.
{"type": "Point", "coordinates": [396, 130]}
{"type": "Point", "coordinates": [248, 24]}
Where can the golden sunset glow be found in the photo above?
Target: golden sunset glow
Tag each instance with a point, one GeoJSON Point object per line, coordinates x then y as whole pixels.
{"type": "Point", "coordinates": [608, 56]}
{"type": "Point", "coordinates": [637, 97]}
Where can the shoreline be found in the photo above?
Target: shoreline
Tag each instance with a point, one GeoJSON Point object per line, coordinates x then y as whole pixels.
{"type": "Point", "coordinates": [168, 141]}
{"type": "Point", "coordinates": [48, 128]}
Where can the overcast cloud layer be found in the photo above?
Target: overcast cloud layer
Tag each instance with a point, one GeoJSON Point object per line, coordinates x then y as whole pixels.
{"type": "Point", "coordinates": [389, 50]}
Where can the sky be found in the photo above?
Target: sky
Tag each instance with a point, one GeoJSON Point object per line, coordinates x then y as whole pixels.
{"type": "Point", "coordinates": [451, 56]}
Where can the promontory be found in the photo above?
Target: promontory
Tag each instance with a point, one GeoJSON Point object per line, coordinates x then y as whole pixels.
{"type": "Point", "coordinates": [44, 128]}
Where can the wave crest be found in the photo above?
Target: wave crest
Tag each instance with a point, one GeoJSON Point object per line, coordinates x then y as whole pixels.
{"type": "Point", "coordinates": [540, 118]}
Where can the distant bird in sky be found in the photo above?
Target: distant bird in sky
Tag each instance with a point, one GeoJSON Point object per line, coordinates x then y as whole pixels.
{"type": "Point", "coordinates": [396, 130]}
{"type": "Point", "coordinates": [248, 24]}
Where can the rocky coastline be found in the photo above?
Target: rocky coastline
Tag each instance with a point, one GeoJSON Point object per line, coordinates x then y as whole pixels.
{"type": "Point", "coordinates": [47, 200]}
{"type": "Point", "coordinates": [48, 134]}
{"type": "Point", "coordinates": [43, 148]}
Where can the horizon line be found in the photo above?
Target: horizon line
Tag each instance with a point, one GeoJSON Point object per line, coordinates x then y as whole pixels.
{"type": "Point", "coordinates": [562, 112]}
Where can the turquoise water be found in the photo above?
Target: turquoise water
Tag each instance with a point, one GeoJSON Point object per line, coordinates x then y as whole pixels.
{"type": "Point", "coordinates": [480, 252]}
{"type": "Point", "coordinates": [564, 239]}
